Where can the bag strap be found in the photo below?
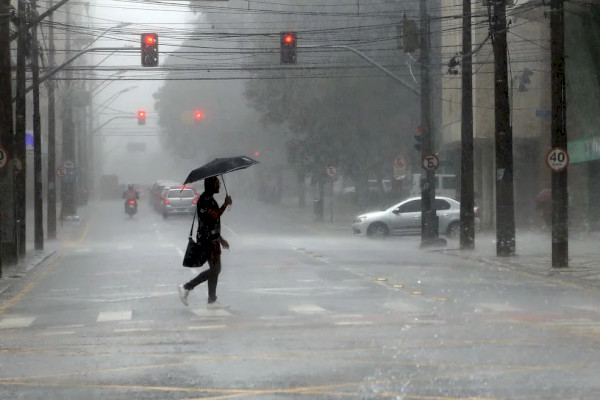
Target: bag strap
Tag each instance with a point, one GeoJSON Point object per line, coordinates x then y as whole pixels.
{"type": "Point", "coordinates": [193, 220]}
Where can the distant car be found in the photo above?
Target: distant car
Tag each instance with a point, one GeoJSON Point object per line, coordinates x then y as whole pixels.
{"type": "Point", "coordinates": [178, 200]}
{"type": "Point", "coordinates": [404, 218]}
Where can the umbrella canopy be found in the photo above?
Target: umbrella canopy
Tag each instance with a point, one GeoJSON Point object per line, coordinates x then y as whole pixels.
{"type": "Point", "coordinates": [219, 166]}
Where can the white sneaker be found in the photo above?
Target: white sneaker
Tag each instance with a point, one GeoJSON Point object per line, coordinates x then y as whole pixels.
{"type": "Point", "coordinates": [183, 294]}
{"type": "Point", "coordinates": [215, 305]}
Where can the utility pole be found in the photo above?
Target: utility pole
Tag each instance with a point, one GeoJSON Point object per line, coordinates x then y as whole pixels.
{"type": "Point", "coordinates": [505, 213]}
{"type": "Point", "coordinates": [68, 201]}
{"type": "Point", "coordinates": [6, 135]}
{"type": "Point", "coordinates": [20, 127]}
{"type": "Point", "coordinates": [51, 195]}
{"type": "Point", "coordinates": [560, 198]}
{"type": "Point", "coordinates": [37, 140]}
{"type": "Point", "coordinates": [467, 203]}
{"type": "Point", "coordinates": [429, 220]}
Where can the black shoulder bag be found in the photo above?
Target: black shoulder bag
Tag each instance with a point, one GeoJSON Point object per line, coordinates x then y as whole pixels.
{"type": "Point", "coordinates": [195, 253]}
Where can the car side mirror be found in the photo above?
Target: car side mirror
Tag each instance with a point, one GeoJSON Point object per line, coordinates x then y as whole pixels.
{"type": "Point", "coordinates": [396, 211]}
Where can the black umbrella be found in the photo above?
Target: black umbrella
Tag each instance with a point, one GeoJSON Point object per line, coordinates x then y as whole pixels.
{"type": "Point", "coordinates": [219, 166]}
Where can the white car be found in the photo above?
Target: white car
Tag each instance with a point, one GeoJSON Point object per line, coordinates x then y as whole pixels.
{"type": "Point", "coordinates": [404, 218]}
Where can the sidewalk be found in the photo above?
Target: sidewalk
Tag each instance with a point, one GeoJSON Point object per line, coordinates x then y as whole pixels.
{"type": "Point", "coordinates": [68, 230]}
{"type": "Point", "coordinates": [533, 248]}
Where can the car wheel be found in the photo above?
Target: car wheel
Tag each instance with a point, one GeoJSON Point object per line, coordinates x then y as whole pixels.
{"type": "Point", "coordinates": [453, 230]}
{"type": "Point", "coordinates": [377, 230]}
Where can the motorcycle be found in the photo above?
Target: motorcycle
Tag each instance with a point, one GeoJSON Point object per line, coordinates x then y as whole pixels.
{"type": "Point", "coordinates": [131, 207]}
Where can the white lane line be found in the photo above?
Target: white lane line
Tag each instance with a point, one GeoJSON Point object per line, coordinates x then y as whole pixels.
{"type": "Point", "coordinates": [114, 287]}
{"type": "Point", "coordinates": [16, 322]}
{"type": "Point", "coordinates": [205, 312]}
{"type": "Point", "coordinates": [353, 323]}
{"type": "Point", "coordinates": [125, 330]}
{"type": "Point", "coordinates": [66, 326]}
{"type": "Point", "coordinates": [68, 290]}
{"type": "Point", "coordinates": [58, 333]}
{"type": "Point", "coordinates": [204, 327]}
{"type": "Point", "coordinates": [499, 307]}
{"type": "Point", "coordinates": [107, 316]}
{"type": "Point", "coordinates": [307, 309]}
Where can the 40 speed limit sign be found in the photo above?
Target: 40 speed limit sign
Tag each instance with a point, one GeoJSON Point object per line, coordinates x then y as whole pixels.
{"type": "Point", "coordinates": [557, 159]}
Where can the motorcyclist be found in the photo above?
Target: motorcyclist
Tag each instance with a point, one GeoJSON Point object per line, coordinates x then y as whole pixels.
{"type": "Point", "coordinates": [130, 194]}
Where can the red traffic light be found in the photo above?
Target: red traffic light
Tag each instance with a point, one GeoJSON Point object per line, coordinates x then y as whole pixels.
{"type": "Point", "coordinates": [141, 117]}
{"type": "Point", "coordinates": [149, 39]}
{"type": "Point", "coordinates": [289, 38]}
{"type": "Point", "coordinates": [198, 115]}
{"type": "Point", "coordinates": [256, 153]}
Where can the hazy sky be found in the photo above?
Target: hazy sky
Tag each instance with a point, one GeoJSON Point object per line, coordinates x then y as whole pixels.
{"type": "Point", "coordinates": [163, 19]}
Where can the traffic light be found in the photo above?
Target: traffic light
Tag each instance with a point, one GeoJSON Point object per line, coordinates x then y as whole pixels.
{"type": "Point", "coordinates": [141, 116]}
{"type": "Point", "coordinates": [288, 47]}
{"type": "Point", "coordinates": [198, 116]}
{"type": "Point", "coordinates": [149, 49]}
{"type": "Point", "coordinates": [418, 140]}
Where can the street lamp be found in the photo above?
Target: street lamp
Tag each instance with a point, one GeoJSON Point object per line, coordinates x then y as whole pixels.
{"type": "Point", "coordinates": [112, 98]}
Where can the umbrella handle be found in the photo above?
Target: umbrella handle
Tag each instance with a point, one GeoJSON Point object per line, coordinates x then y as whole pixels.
{"type": "Point", "coordinates": [225, 186]}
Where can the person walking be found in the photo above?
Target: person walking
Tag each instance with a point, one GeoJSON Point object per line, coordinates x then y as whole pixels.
{"type": "Point", "coordinates": [209, 237]}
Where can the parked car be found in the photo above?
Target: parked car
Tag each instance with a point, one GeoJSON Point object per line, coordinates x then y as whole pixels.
{"type": "Point", "coordinates": [178, 200]}
{"type": "Point", "coordinates": [404, 218]}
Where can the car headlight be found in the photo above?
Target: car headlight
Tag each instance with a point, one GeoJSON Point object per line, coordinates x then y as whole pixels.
{"type": "Point", "coordinates": [360, 219]}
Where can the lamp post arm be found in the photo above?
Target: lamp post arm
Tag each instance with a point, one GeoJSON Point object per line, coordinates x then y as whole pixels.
{"type": "Point", "coordinates": [110, 120]}
{"type": "Point", "coordinates": [70, 60]}
{"type": "Point", "coordinates": [375, 63]}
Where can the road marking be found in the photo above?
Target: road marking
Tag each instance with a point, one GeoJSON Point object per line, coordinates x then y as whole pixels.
{"type": "Point", "coordinates": [307, 309]}
{"type": "Point", "coordinates": [126, 330]}
{"type": "Point", "coordinates": [107, 316]}
{"type": "Point", "coordinates": [499, 307]}
{"type": "Point", "coordinates": [58, 333]}
{"type": "Point", "coordinates": [353, 323]}
{"type": "Point", "coordinates": [125, 247]}
{"type": "Point", "coordinates": [205, 327]}
{"type": "Point", "coordinates": [205, 312]}
{"type": "Point", "coordinates": [66, 326]}
{"type": "Point", "coordinates": [114, 287]}
{"type": "Point", "coordinates": [16, 322]}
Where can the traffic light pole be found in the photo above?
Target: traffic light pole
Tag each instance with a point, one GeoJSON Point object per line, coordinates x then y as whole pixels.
{"type": "Point", "coordinates": [505, 214]}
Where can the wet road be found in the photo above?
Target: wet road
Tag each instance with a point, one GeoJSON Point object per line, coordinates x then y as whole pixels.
{"type": "Point", "coordinates": [313, 315]}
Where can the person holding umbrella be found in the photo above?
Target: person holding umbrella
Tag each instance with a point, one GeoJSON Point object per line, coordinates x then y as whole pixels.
{"type": "Point", "coordinates": [209, 236]}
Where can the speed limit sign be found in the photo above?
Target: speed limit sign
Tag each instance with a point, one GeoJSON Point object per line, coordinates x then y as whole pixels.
{"type": "Point", "coordinates": [557, 159]}
{"type": "Point", "coordinates": [3, 158]}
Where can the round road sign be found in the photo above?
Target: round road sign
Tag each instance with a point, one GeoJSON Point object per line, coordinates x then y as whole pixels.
{"type": "Point", "coordinates": [430, 162]}
{"type": "Point", "coordinates": [3, 158]}
{"type": "Point", "coordinates": [61, 171]}
{"type": "Point", "coordinates": [331, 171]}
{"type": "Point", "coordinates": [557, 159]}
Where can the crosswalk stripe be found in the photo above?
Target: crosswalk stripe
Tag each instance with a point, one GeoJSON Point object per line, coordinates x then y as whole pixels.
{"type": "Point", "coordinates": [16, 322]}
{"type": "Point", "coordinates": [307, 309]}
{"type": "Point", "coordinates": [107, 316]}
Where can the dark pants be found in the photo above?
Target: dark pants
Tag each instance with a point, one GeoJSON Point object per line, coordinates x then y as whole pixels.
{"type": "Point", "coordinates": [211, 274]}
